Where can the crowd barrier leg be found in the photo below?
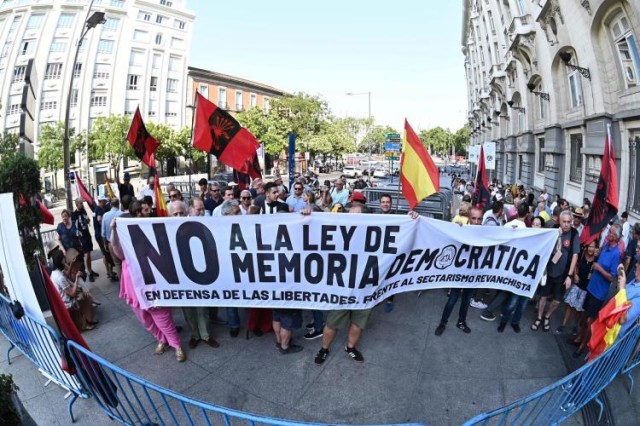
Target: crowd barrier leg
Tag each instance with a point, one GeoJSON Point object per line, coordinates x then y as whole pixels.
{"type": "Point", "coordinates": [73, 399]}
{"type": "Point", "coordinates": [9, 352]}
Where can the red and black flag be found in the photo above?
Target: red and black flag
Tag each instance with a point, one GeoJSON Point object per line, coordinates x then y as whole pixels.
{"type": "Point", "coordinates": [481, 195]}
{"type": "Point", "coordinates": [605, 201]}
{"type": "Point", "coordinates": [141, 141]}
{"type": "Point", "coordinates": [254, 172]}
{"type": "Point", "coordinates": [218, 133]}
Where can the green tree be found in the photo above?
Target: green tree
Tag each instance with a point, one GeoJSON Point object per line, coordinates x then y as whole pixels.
{"type": "Point", "coordinates": [439, 140]}
{"type": "Point", "coordinates": [108, 140]}
{"type": "Point", "coordinates": [461, 139]}
{"type": "Point", "coordinates": [167, 148]}
{"type": "Point", "coordinates": [374, 141]}
{"type": "Point", "coordinates": [9, 143]}
{"type": "Point", "coordinates": [182, 138]}
{"type": "Point", "coordinates": [50, 153]}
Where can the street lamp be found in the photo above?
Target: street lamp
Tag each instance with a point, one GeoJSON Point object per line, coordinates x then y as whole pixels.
{"type": "Point", "coordinates": [91, 22]}
{"type": "Point", "coordinates": [369, 116]}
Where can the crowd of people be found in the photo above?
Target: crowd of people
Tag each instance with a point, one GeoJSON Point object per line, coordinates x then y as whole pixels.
{"type": "Point", "coordinates": [577, 277]}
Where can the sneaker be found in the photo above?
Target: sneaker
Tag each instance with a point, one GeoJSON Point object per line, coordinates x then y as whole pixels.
{"type": "Point", "coordinates": [478, 304]}
{"type": "Point", "coordinates": [193, 342]}
{"type": "Point", "coordinates": [160, 349]}
{"type": "Point", "coordinates": [313, 335]}
{"type": "Point", "coordinates": [501, 327]}
{"type": "Point", "coordinates": [354, 354]}
{"type": "Point", "coordinates": [292, 349]}
{"type": "Point", "coordinates": [463, 326]}
{"type": "Point", "coordinates": [321, 356]}
{"type": "Point", "coordinates": [440, 329]}
{"type": "Point", "coordinates": [516, 327]}
{"type": "Point", "coordinates": [310, 326]}
{"type": "Point", "coordinates": [487, 316]}
{"type": "Point", "coordinates": [180, 357]}
{"type": "Point", "coordinates": [388, 307]}
{"type": "Point", "coordinates": [559, 330]}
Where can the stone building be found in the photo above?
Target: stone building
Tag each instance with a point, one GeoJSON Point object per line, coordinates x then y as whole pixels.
{"type": "Point", "coordinates": [546, 78]}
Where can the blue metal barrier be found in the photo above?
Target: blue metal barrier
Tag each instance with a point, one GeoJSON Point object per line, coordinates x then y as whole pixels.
{"type": "Point", "coordinates": [42, 346]}
{"type": "Point", "coordinates": [634, 361]}
{"type": "Point", "coordinates": [567, 396]}
{"type": "Point", "coordinates": [133, 400]}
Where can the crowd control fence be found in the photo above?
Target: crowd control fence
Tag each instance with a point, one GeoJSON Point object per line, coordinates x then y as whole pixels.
{"type": "Point", "coordinates": [42, 345]}
{"type": "Point", "coordinates": [568, 395]}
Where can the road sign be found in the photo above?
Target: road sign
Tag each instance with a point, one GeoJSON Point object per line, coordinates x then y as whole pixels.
{"type": "Point", "coordinates": [393, 158]}
{"type": "Point", "coordinates": [393, 136]}
{"type": "Point", "coordinates": [392, 146]}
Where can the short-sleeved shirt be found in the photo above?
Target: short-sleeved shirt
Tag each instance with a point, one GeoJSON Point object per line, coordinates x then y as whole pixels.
{"type": "Point", "coordinates": [62, 283]}
{"type": "Point", "coordinates": [585, 270]}
{"type": "Point", "coordinates": [609, 259]}
{"type": "Point", "coordinates": [568, 249]}
{"type": "Point", "coordinates": [210, 205]}
{"type": "Point", "coordinates": [126, 189]}
{"type": "Point", "coordinates": [340, 197]}
{"type": "Point", "coordinates": [295, 203]}
{"type": "Point", "coordinates": [97, 226]}
{"type": "Point", "coordinates": [80, 219]}
{"type": "Point", "coordinates": [67, 235]}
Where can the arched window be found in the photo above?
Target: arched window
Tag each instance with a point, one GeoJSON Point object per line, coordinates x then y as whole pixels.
{"type": "Point", "coordinates": [575, 85]}
{"type": "Point", "coordinates": [627, 49]}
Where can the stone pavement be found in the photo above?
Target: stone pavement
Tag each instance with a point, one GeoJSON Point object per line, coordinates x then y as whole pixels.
{"type": "Point", "coordinates": [409, 374]}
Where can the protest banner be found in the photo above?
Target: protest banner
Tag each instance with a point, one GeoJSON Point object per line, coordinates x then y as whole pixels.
{"type": "Point", "coordinates": [322, 261]}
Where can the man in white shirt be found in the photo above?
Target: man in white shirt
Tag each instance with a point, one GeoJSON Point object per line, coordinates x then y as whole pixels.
{"type": "Point", "coordinates": [245, 201]}
{"type": "Point", "coordinates": [339, 195]}
{"type": "Point", "coordinates": [149, 190]}
{"type": "Point", "coordinates": [518, 222]}
{"type": "Point", "coordinates": [228, 195]}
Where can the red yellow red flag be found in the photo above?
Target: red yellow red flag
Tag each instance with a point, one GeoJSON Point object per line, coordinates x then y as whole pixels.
{"type": "Point", "coordinates": [161, 203]}
{"type": "Point", "coordinates": [418, 173]}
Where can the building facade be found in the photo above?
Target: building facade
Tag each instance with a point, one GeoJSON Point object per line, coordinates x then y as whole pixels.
{"type": "Point", "coordinates": [138, 56]}
{"type": "Point", "coordinates": [546, 78]}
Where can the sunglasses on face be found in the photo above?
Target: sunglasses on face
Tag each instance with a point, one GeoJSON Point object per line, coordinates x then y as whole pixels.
{"type": "Point", "coordinates": [173, 195]}
{"type": "Point", "coordinates": [246, 198]}
{"type": "Point", "coordinates": [215, 190]}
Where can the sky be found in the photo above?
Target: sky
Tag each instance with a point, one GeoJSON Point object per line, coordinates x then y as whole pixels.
{"type": "Point", "coordinates": [406, 53]}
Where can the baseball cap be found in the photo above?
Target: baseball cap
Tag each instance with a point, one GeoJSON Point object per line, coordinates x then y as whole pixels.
{"type": "Point", "coordinates": [358, 197]}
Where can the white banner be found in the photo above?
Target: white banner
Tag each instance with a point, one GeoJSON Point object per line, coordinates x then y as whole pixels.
{"type": "Point", "coordinates": [474, 153]}
{"type": "Point", "coordinates": [490, 155]}
{"type": "Point", "coordinates": [324, 260]}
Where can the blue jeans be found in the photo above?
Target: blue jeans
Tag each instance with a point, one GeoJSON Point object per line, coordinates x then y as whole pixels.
{"type": "Point", "coordinates": [318, 320]}
{"type": "Point", "coordinates": [464, 304]}
{"type": "Point", "coordinates": [233, 318]}
{"type": "Point", "coordinates": [517, 305]}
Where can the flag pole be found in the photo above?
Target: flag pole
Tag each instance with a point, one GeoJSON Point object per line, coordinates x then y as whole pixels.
{"type": "Point", "coordinates": [400, 171]}
{"type": "Point", "coordinates": [192, 107]}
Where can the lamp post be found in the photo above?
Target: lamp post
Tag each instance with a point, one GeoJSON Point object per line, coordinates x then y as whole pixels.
{"type": "Point", "coordinates": [368, 116]}
{"type": "Point", "coordinates": [91, 22]}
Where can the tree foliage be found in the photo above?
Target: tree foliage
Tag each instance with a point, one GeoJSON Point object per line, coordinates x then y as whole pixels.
{"type": "Point", "coordinates": [108, 139]}
{"type": "Point", "coordinates": [375, 140]}
{"type": "Point", "coordinates": [8, 144]}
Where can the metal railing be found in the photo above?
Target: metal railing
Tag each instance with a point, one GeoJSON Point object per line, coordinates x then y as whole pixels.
{"type": "Point", "coordinates": [436, 205]}
{"type": "Point", "coordinates": [633, 362]}
{"type": "Point", "coordinates": [42, 345]}
{"type": "Point", "coordinates": [568, 395]}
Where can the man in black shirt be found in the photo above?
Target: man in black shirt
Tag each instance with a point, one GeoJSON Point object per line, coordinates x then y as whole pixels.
{"type": "Point", "coordinates": [81, 220]}
{"type": "Point", "coordinates": [125, 188]}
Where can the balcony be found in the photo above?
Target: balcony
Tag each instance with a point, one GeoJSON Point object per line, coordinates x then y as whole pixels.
{"type": "Point", "coordinates": [520, 26]}
{"type": "Point", "coordinates": [485, 93]}
{"type": "Point", "coordinates": [496, 72]}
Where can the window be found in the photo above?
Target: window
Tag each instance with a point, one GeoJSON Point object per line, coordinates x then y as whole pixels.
{"type": "Point", "coordinates": [117, 3]}
{"type": "Point", "coordinates": [102, 71]}
{"type": "Point", "coordinates": [627, 49]}
{"type": "Point", "coordinates": [153, 85]}
{"type": "Point", "coordinates": [575, 171]}
{"type": "Point", "coordinates": [130, 106]}
{"type": "Point", "coordinates": [575, 87]}
{"type": "Point", "coordinates": [158, 39]}
{"type": "Point", "coordinates": [58, 45]}
{"type": "Point", "coordinates": [132, 82]}
{"type": "Point", "coordinates": [179, 24]}
{"type": "Point", "coordinates": [53, 71]}
{"type": "Point", "coordinates": [222, 97]}
{"type": "Point", "coordinates": [239, 105]}
{"type": "Point", "coordinates": [634, 172]}
{"type": "Point", "coordinates": [45, 105]}
{"type": "Point", "coordinates": [6, 49]}
{"type": "Point", "coordinates": [14, 109]}
{"type": "Point", "coordinates": [111, 24]}
{"type": "Point", "coordinates": [266, 105]}
{"type": "Point", "coordinates": [105, 46]}
{"type": "Point", "coordinates": [27, 47]}
{"type": "Point", "coordinates": [159, 19]}
{"type": "Point", "coordinates": [157, 61]}
{"type": "Point", "coordinates": [172, 85]}
{"type": "Point", "coordinates": [540, 155]}
{"type": "Point", "coordinates": [35, 21]}
{"type": "Point", "coordinates": [253, 100]}
{"type": "Point", "coordinates": [496, 52]}
{"type": "Point", "coordinates": [172, 109]}
{"type": "Point", "coordinates": [136, 58]}
{"type": "Point", "coordinates": [74, 97]}
{"type": "Point", "coordinates": [139, 35]}
{"type": "Point", "coordinates": [98, 101]}
{"type": "Point", "coordinates": [522, 8]}
{"type": "Point", "coordinates": [15, 23]}
{"type": "Point", "coordinates": [83, 45]}
{"type": "Point", "coordinates": [166, 3]}
{"type": "Point", "coordinates": [153, 108]}
{"type": "Point", "coordinates": [177, 43]}
{"type": "Point", "coordinates": [18, 73]}
{"type": "Point", "coordinates": [77, 69]}
{"type": "Point", "coordinates": [66, 20]}
{"type": "Point", "coordinates": [144, 16]}
{"type": "Point", "coordinates": [542, 104]}
{"type": "Point", "coordinates": [174, 63]}
{"type": "Point", "coordinates": [491, 24]}
{"type": "Point", "coordinates": [204, 90]}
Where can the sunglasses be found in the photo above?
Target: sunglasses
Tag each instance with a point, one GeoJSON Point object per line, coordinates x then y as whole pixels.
{"type": "Point", "coordinates": [173, 195]}
{"type": "Point", "coordinates": [215, 190]}
{"type": "Point", "coordinates": [298, 189]}
{"type": "Point", "coordinates": [246, 198]}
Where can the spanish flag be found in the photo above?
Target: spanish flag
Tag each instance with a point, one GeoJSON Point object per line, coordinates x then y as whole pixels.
{"type": "Point", "coordinates": [110, 193]}
{"type": "Point", "coordinates": [418, 173]}
{"type": "Point", "coordinates": [605, 329]}
{"type": "Point", "coordinates": [161, 203]}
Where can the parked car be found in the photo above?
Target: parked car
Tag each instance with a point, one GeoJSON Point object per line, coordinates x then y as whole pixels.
{"type": "Point", "coordinates": [351, 171]}
{"type": "Point", "coordinates": [380, 173]}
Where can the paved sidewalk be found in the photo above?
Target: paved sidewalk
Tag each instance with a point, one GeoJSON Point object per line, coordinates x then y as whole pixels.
{"type": "Point", "coordinates": [409, 374]}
